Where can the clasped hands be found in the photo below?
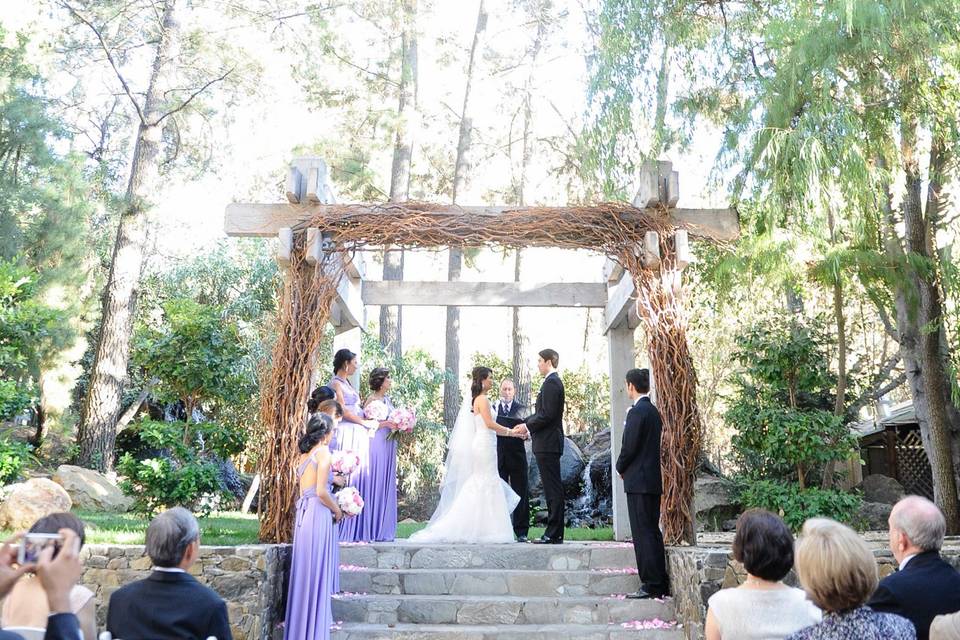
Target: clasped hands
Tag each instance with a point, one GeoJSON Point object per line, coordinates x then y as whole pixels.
{"type": "Point", "coordinates": [520, 431]}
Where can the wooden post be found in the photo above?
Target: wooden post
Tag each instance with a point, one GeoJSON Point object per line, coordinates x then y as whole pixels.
{"type": "Point", "coordinates": [620, 340]}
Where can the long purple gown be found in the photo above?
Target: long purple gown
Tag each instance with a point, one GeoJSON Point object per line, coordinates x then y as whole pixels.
{"type": "Point", "coordinates": [314, 568]}
{"type": "Point", "coordinates": [378, 520]}
{"type": "Point", "coordinates": [353, 437]}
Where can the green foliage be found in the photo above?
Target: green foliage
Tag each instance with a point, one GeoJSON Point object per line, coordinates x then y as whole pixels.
{"type": "Point", "coordinates": [182, 474]}
{"type": "Point", "coordinates": [29, 331]}
{"type": "Point", "coordinates": [195, 354]}
{"type": "Point", "coordinates": [14, 455]}
{"type": "Point", "coordinates": [796, 505]}
{"type": "Point", "coordinates": [500, 367]}
{"type": "Point", "coordinates": [785, 435]}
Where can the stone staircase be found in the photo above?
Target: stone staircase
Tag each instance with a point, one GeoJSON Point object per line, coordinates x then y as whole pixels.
{"type": "Point", "coordinates": [574, 591]}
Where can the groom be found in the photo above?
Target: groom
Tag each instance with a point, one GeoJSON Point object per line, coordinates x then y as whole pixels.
{"type": "Point", "coordinates": [546, 432]}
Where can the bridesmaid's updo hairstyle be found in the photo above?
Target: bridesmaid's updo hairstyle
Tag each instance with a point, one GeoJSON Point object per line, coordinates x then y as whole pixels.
{"type": "Point", "coordinates": [377, 378]}
{"type": "Point", "coordinates": [341, 358]}
{"type": "Point", "coordinates": [479, 375]}
{"type": "Point", "coordinates": [318, 397]}
{"type": "Point", "coordinates": [317, 429]}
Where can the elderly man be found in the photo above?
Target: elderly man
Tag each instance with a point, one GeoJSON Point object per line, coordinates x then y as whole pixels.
{"type": "Point", "coordinates": [925, 585]}
{"type": "Point", "coordinates": [170, 603]}
{"type": "Point", "coordinates": [512, 457]}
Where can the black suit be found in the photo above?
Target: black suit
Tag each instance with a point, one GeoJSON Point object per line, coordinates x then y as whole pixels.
{"type": "Point", "coordinates": [639, 465]}
{"type": "Point", "coordinates": [512, 465]}
{"type": "Point", "coordinates": [167, 605]}
{"type": "Point", "coordinates": [546, 434]}
{"type": "Point", "coordinates": [925, 588]}
{"type": "Point", "coordinates": [60, 626]}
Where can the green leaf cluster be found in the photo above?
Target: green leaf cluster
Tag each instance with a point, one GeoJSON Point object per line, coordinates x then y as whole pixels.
{"type": "Point", "coordinates": [786, 433]}
{"type": "Point", "coordinates": [178, 473]}
{"type": "Point", "coordinates": [14, 456]}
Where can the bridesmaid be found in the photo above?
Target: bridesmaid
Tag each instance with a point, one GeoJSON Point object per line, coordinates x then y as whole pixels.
{"type": "Point", "coordinates": [314, 565]}
{"type": "Point", "coordinates": [355, 431]}
{"type": "Point", "coordinates": [318, 397]}
{"type": "Point", "coordinates": [379, 516]}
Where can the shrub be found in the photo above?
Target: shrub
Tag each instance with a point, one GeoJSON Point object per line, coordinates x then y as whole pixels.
{"type": "Point", "coordinates": [179, 474]}
{"type": "Point", "coordinates": [787, 436]}
{"type": "Point", "coordinates": [14, 456]}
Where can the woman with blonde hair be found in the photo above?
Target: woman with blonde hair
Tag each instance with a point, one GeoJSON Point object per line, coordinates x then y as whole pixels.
{"type": "Point", "coordinates": [837, 570]}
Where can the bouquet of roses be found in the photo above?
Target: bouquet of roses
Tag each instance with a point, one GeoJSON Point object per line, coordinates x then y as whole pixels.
{"type": "Point", "coordinates": [344, 462]}
{"type": "Point", "coordinates": [405, 419]}
{"type": "Point", "coordinates": [350, 501]}
{"type": "Point", "coordinates": [376, 410]}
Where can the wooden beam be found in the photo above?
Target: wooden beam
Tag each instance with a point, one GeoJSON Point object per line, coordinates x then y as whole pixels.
{"type": "Point", "coordinates": [263, 220]}
{"type": "Point", "coordinates": [621, 308]}
{"type": "Point", "coordinates": [485, 294]}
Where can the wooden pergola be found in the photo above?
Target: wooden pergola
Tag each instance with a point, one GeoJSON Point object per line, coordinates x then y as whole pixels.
{"type": "Point", "coordinates": [311, 197]}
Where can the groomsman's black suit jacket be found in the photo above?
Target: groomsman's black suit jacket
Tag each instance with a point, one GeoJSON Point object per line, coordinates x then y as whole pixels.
{"type": "Point", "coordinates": [927, 587]}
{"type": "Point", "coordinates": [639, 460]}
{"type": "Point", "coordinates": [167, 605]}
{"type": "Point", "coordinates": [546, 424]}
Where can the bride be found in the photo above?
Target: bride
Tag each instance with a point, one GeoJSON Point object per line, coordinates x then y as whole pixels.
{"type": "Point", "coordinates": [475, 504]}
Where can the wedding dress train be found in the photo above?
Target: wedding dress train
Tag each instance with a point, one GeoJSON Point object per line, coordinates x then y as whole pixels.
{"type": "Point", "coordinates": [475, 503]}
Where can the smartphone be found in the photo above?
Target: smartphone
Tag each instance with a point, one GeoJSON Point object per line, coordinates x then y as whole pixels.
{"type": "Point", "coordinates": [31, 544]}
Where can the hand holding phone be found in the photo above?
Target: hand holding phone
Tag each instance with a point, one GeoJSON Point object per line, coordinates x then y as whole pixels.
{"type": "Point", "coordinates": [59, 575]}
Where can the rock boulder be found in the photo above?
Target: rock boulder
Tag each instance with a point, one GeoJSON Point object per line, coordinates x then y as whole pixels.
{"type": "Point", "coordinates": [26, 502]}
{"type": "Point", "coordinates": [873, 516]}
{"type": "Point", "coordinates": [572, 464]}
{"type": "Point", "coordinates": [91, 490]}
{"type": "Point", "coordinates": [713, 502]}
{"type": "Point", "coordinates": [882, 489]}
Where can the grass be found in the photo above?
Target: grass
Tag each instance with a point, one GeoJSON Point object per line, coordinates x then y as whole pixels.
{"type": "Point", "coordinates": [234, 528]}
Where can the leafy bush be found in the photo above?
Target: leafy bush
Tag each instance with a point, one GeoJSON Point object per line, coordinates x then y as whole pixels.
{"type": "Point", "coordinates": [787, 437]}
{"type": "Point", "coordinates": [14, 455]}
{"type": "Point", "coordinates": [179, 473]}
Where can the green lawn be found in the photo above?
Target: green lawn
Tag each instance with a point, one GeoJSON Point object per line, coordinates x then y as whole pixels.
{"type": "Point", "coordinates": [234, 528]}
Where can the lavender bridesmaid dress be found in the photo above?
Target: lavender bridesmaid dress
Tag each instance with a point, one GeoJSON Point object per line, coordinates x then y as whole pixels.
{"type": "Point", "coordinates": [314, 568]}
{"type": "Point", "coordinates": [378, 520]}
{"type": "Point", "coordinates": [353, 437]}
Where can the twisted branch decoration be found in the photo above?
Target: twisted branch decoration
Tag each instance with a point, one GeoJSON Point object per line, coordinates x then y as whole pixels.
{"type": "Point", "coordinates": [616, 229]}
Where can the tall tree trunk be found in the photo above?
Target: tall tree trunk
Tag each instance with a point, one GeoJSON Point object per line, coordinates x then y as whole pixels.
{"type": "Point", "coordinates": [101, 407]}
{"type": "Point", "coordinates": [918, 301]}
{"type": "Point", "coordinates": [391, 317]}
{"type": "Point", "coordinates": [451, 388]}
{"type": "Point", "coordinates": [521, 373]}
{"type": "Point", "coordinates": [841, 323]}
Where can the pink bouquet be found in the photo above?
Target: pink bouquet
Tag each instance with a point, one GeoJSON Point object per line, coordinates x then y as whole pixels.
{"type": "Point", "coordinates": [376, 410]}
{"type": "Point", "coordinates": [344, 462]}
{"type": "Point", "coordinates": [405, 419]}
{"type": "Point", "coordinates": [350, 501]}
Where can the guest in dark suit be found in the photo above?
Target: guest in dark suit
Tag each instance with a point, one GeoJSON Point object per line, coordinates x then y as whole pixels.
{"type": "Point", "coordinates": [925, 586]}
{"type": "Point", "coordinates": [639, 466]}
{"type": "Point", "coordinates": [546, 434]}
{"type": "Point", "coordinates": [512, 457]}
{"type": "Point", "coordinates": [170, 603]}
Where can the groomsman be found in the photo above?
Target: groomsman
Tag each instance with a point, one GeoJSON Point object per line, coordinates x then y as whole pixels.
{"type": "Point", "coordinates": [512, 457]}
{"type": "Point", "coordinates": [639, 466]}
{"type": "Point", "coordinates": [546, 432]}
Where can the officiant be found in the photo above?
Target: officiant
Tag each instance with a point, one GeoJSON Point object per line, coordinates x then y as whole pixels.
{"type": "Point", "coordinates": [512, 456]}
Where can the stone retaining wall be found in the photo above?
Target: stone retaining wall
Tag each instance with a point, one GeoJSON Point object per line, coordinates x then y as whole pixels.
{"type": "Point", "coordinates": [696, 573]}
{"type": "Point", "coordinates": [251, 579]}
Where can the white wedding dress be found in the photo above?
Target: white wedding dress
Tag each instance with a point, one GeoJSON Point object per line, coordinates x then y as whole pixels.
{"type": "Point", "coordinates": [475, 503]}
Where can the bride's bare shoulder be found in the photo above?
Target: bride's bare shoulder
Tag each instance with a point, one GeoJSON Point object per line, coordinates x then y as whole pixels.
{"type": "Point", "coordinates": [480, 402]}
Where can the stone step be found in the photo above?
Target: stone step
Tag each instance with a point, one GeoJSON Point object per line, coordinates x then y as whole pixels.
{"type": "Point", "coordinates": [357, 631]}
{"type": "Point", "coordinates": [495, 610]}
{"type": "Point", "coordinates": [564, 557]}
{"type": "Point", "coordinates": [488, 582]}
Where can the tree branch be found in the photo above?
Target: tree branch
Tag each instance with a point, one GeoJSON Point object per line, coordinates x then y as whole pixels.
{"type": "Point", "coordinates": [877, 389]}
{"type": "Point", "coordinates": [193, 95]}
{"type": "Point", "coordinates": [113, 64]}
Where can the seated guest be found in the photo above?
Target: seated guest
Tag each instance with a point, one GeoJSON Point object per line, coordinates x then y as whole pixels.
{"type": "Point", "coordinates": [925, 586]}
{"type": "Point", "coordinates": [945, 627]}
{"type": "Point", "coordinates": [762, 607]}
{"type": "Point", "coordinates": [170, 603]}
{"type": "Point", "coordinates": [26, 606]}
{"type": "Point", "coordinates": [58, 575]}
{"type": "Point", "coordinates": [838, 572]}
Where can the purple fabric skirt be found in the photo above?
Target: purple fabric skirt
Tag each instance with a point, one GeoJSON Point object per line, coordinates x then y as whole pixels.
{"type": "Point", "coordinates": [314, 571]}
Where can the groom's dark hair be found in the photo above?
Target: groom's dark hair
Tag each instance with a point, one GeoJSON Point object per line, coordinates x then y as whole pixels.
{"type": "Point", "coordinates": [551, 356]}
{"type": "Point", "coordinates": [639, 379]}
